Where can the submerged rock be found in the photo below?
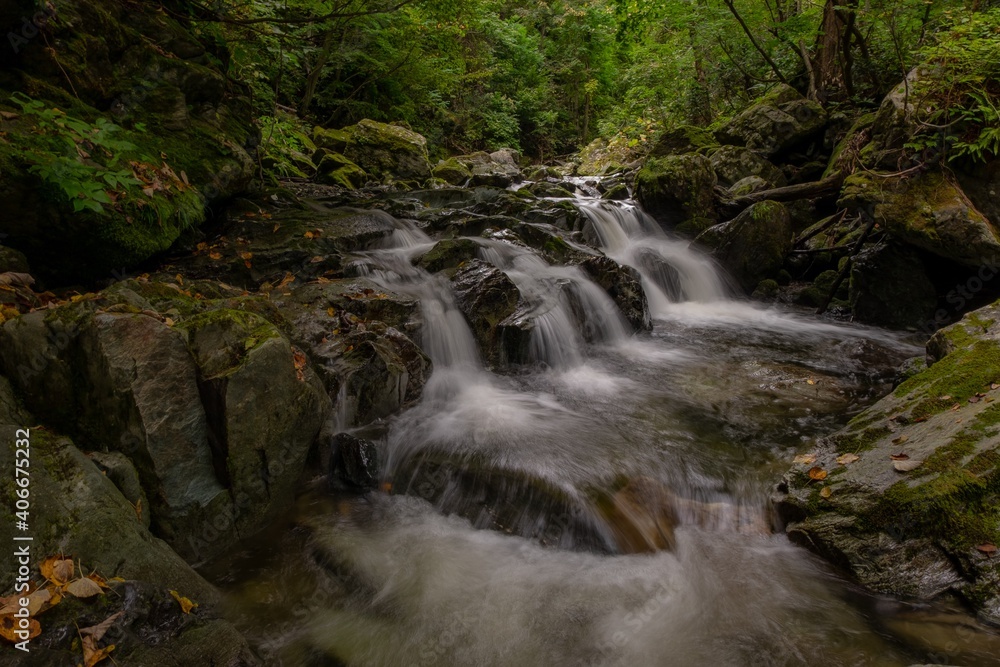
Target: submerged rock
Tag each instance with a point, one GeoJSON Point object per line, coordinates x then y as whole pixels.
{"type": "Point", "coordinates": [915, 514]}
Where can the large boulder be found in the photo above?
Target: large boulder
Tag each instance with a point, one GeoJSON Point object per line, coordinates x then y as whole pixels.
{"type": "Point", "coordinates": [678, 190]}
{"type": "Point", "coordinates": [752, 246]}
{"type": "Point", "coordinates": [498, 169]}
{"type": "Point", "coordinates": [929, 212]}
{"type": "Point", "coordinates": [889, 287]}
{"type": "Point", "coordinates": [781, 121]}
{"type": "Point", "coordinates": [388, 152]}
{"type": "Point", "coordinates": [334, 169]}
{"type": "Point", "coordinates": [908, 504]}
{"type": "Point", "coordinates": [264, 405]}
{"type": "Point", "coordinates": [735, 163]}
{"type": "Point", "coordinates": [682, 139]}
{"type": "Point", "coordinates": [452, 171]}
{"type": "Point", "coordinates": [182, 121]}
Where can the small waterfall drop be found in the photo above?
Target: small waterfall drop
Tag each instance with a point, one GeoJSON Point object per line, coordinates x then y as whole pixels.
{"type": "Point", "coordinates": [671, 272]}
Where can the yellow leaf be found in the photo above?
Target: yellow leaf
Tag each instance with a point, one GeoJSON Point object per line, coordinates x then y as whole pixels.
{"type": "Point", "coordinates": [9, 625]}
{"type": "Point", "coordinates": [900, 440]}
{"type": "Point", "coordinates": [216, 256]}
{"type": "Point", "coordinates": [805, 459]}
{"type": "Point", "coordinates": [826, 492]}
{"type": "Point", "coordinates": [186, 605]}
{"type": "Point", "coordinates": [83, 588]}
{"type": "Point", "coordinates": [845, 459]}
{"type": "Point", "coordinates": [92, 654]}
{"type": "Point", "coordinates": [817, 473]}
{"type": "Point", "coordinates": [810, 381]}
{"type": "Point", "coordinates": [57, 569]}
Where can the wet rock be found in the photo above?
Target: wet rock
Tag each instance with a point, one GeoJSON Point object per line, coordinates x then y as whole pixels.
{"type": "Point", "coordinates": [752, 246]}
{"type": "Point", "coordinates": [889, 286]}
{"type": "Point", "coordinates": [76, 510]}
{"type": "Point", "coordinates": [265, 407]}
{"type": "Point", "coordinates": [598, 159]}
{"type": "Point", "coordinates": [908, 516]}
{"type": "Point", "coordinates": [354, 462]}
{"type": "Point", "coordinates": [119, 469]}
{"type": "Point", "coordinates": [641, 515]}
{"type": "Point", "coordinates": [360, 297]}
{"type": "Point", "coordinates": [546, 189]}
{"type": "Point", "coordinates": [487, 297]}
{"type": "Point", "coordinates": [617, 192]}
{"type": "Point", "coordinates": [678, 189]}
{"type": "Point", "coordinates": [150, 631]}
{"type": "Point", "coordinates": [387, 152]}
{"type": "Point", "coordinates": [306, 243]}
{"type": "Point", "coordinates": [735, 163]}
{"type": "Point", "coordinates": [448, 254]}
{"type": "Point", "coordinates": [929, 212]}
{"type": "Point", "coordinates": [748, 185]}
{"type": "Point", "coordinates": [623, 285]}
{"type": "Point", "coordinates": [781, 121]}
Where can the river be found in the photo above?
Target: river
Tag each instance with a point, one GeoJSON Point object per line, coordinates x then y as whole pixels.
{"type": "Point", "coordinates": [607, 504]}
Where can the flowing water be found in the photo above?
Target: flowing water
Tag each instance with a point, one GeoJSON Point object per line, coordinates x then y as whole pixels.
{"type": "Point", "coordinates": [521, 511]}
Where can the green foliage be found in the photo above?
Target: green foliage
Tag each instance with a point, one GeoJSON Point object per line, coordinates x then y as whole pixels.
{"type": "Point", "coordinates": [957, 95]}
{"type": "Point", "coordinates": [87, 170]}
{"type": "Point", "coordinates": [285, 145]}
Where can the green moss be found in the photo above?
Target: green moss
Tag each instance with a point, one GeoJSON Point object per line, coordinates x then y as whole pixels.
{"type": "Point", "coordinates": [962, 374]}
{"type": "Point", "coordinates": [861, 440]}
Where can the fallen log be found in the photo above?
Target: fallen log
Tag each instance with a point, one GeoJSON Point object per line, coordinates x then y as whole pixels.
{"type": "Point", "coordinates": [827, 186]}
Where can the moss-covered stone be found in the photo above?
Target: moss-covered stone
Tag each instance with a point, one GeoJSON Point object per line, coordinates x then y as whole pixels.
{"type": "Point", "coordinates": [453, 171]}
{"type": "Point", "coordinates": [388, 152]}
{"type": "Point", "coordinates": [448, 254]}
{"type": "Point", "coordinates": [683, 139]}
{"type": "Point", "coordinates": [752, 246]}
{"type": "Point", "coordinates": [734, 163]}
{"type": "Point", "coordinates": [914, 532]}
{"type": "Point", "coordinates": [781, 121]}
{"type": "Point", "coordinates": [677, 188]}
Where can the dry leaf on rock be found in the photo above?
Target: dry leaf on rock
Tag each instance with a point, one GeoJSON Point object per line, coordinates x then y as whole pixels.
{"type": "Point", "coordinates": [901, 456]}
{"type": "Point", "coordinates": [9, 625]}
{"type": "Point", "coordinates": [57, 569]}
{"type": "Point", "coordinates": [988, 549]}
{"type": "Point", "coordinates": [817, 473]}
{"type": "Point", "coordinates": [826, 492]}
{"type": "Point", "coordinates": [906, 466]}
{"type": "Point", "coordinates": [99, 630]}
{"type": "Point", "coordinates": [900, 440]}
{"type": "Point", "coordinates": [845, 459]}
{"type": "Point", "coordinates": [92, 654]}
{"type": "Point", "coordinates": [805, 459]}
{"type": "Point", "coordinates": [186, 604]}
{"type": "Point", "coordinates": [83, 588]}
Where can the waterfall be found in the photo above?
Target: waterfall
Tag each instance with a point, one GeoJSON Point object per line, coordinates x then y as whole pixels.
{"type": "Point", "coordinates": [671, 272]}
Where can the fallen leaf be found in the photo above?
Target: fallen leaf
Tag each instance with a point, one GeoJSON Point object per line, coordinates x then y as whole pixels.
{"type": "Point", "coordinates": [9, 624]}
{"type": "Point", "coordinates": [186, 604]}
{"type": "Point", "coordinates": [83, 588]}
{"type": "Point", "coordinates": [316, 260]}
{"type": "Point", "coordinates": [994, 386]}
{"type": "Point", "coordinates": [955, 407]}
{"type": "Point", "coordinates": [57, 569]}
{"type": "Point", "coordinates": [92, 654]}
{"type": "Point", "coordinates": [308, 235]}
{"type": "Point", "coordinates": [277, 226]}
{"type": "Point", "coordinates": [817, 473]}
{"type": "Point", "coordinates": [901, 456]}
{"type": "Point", "coordinates": [906, 466]}
{"type": "Point", "coordinates": [826, 492]}
{"type": "Point", "coordinates": [215, 256]}
{"type": "Point", "coordinates": [988, 549]}
{"type": "Point", "coordinates": [804, 459]}
{"type": "Point", "coordinates": [331, 311]}
{"type": "Point", "coordinates": [810, 381]}
{"type": "Point", "coordinates": [946, 398]}
{"type": "Point", "coordinates": [845, 459]}
{"type": "Point", "coordinates": [289, 278]}
{"type": "Point", "coordinates": [98, 631]}
{"type": "Point", "coordinates": [900, 440]}
{"type": "Point", "coordinates": [973, 399]}
{"type": "Point", "coordinates": [168, 321]}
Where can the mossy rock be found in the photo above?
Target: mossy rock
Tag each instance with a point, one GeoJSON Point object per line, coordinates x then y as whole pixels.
{"type": "Point", "coordinates": [388, 152]}
{"type": "Point", "coordinates": [677, 188]}
{"type": "Point", "coordinates": [335, 169]}
{"type": "Point", "coordinates": [913, 530]}
{"type": "Point", "coordinates": [929, 212]}
{"type": "Point", "coordinates": [452, 171]}
{"type": "Point", "coordinates": [735, 163]}
{"type": "Point", "coordinates": [890, 286]}
{"type": "Point", "coordinates": [780, 122]}
{"type": "Point", "coordinates": [448, 254]}
{"type": "Point", "coordinates": [681, 140]}
{"type": "Point", "coordinates": [752, 246]}
{"type": "Point", "coordinates": [331, 140]}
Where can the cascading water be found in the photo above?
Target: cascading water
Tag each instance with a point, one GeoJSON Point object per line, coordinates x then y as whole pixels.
{"type": "Point", "coordinates": [701, 414]}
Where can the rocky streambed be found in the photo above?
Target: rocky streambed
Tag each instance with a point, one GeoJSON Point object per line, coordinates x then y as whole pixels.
{"type": "Point", "coordinates": [480, 426]}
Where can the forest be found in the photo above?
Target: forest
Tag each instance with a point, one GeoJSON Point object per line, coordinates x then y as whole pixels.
{"type": "Point", "coordinates": [382, 333]}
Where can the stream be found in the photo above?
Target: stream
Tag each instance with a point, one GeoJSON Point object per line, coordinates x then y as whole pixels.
{"type": "Point", "coordinates": [607, 504]}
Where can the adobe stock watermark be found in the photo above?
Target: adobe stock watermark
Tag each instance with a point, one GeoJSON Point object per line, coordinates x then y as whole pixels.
{"type": "Point", "coordinates": [962, 294]}
{"type": "Point", "coordinates": [30, 28]}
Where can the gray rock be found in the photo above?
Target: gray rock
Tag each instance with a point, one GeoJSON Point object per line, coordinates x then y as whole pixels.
{"type": "Point", "coordinates": [735, 163]}
{"type": "Point", "coordinates": [354, 462]}
{"type": "Point", "coordinates": [752, 246]}
{"type": "Point", "coordinates": [678, 189]}
{"type": "Point", "coordinates": [889, 286]}
{"type": "Point", "coordinates": [780, 122]}
{"type": "Point", "coordinates": [486, 296]}
{"type": "Point", "coordinates": [623, 285]}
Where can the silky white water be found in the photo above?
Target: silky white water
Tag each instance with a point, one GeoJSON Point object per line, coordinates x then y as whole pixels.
{"type": "Point", "coordinates": [486, 545]}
